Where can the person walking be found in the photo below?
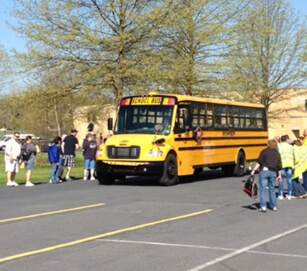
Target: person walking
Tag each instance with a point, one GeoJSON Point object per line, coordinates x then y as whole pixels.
{"type": "Point", "coordinates": [299, 151]}
{"type": "Point", "coordinates": [11, 158]}
{"type": "Point", "coordinates": [28, 151]}
{"type": "Point", "coordinates": [89, 152]}
{"type": "Point", "coordinates": [54, 159]}
{"type": "Point", "coordinates": [287, 161]}
{"type": "Point", "coordinates": [269, 165]}
{"type": "Point", "coordinates": [69, 146]}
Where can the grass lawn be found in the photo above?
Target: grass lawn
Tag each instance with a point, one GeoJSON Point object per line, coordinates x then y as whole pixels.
{"type": "Point", "coordinates": [41, 171]}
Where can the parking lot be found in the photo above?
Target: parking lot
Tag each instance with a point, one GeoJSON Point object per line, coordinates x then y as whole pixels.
{"type": "Point", "coordinates": [204, 223]}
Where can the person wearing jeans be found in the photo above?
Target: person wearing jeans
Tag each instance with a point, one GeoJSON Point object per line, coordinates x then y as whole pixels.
{"type": "Point", "coordinates": [269, 165]}
{"type": "Point", "coordinates": [287, 161]}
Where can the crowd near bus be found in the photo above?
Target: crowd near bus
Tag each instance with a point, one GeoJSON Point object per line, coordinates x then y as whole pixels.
{"type": "Point", "coordinates": [168, 136]}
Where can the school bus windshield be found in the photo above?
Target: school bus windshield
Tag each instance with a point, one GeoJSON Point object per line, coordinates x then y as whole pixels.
{"type": "Point", "coordinates": [141, 119]}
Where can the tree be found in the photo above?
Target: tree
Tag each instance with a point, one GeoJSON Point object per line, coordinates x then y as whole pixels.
{"type": "Point", "coordinates": [4, 69]}
{"type": "Point", "coordinates": [106, 40]}
{"type": "Point", "coordinates": [194, 40]}
{"type": "Point", "coordinates": [267, 56]}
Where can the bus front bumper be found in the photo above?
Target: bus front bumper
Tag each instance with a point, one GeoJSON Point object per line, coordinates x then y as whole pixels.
{"type": "Point", "coordinates": [130, 168]}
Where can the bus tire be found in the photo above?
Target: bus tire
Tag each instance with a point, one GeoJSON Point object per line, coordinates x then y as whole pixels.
{"type": "Point", "coordinates": [170, 173]}
{"type": "Point", "coordinates": [105, 179]}
{"type": "Point", "coordinates": [240, 167]}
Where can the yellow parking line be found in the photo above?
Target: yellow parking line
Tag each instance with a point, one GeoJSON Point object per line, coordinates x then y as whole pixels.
{"type": "Point", "coordinates": [51, 213]}
{"type": "Point", "coordinates": [91, 238]}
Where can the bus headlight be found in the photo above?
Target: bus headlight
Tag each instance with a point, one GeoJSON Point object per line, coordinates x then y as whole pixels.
{"type": "Point", "coordinates": [157, 153]}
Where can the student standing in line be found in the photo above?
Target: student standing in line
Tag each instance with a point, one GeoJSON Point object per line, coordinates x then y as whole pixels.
{"type": "Point", "coordinates": [69, 146]}
{"type": "Point", "coordinates": [89, 152]}
{"type": "Point", "coordinates": [28, 151]}
{"type": "Point", "coordinates": [269, 163]}
{"type": "Point", "coordinates": [12, 156]}
{"type": "Point", "coordinates": [54, 159]}
{"type": "Point", "coordinates": [287, 161]}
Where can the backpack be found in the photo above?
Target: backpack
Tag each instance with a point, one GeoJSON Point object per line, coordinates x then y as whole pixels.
{"type": "Point", "coordinates": [25, 153]}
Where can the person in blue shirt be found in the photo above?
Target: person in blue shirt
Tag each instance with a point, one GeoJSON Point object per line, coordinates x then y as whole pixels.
{"type": "Point", "coordinates": [54, 158]}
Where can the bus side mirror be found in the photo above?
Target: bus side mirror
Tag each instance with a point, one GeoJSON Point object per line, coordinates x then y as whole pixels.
{"type": "Point", "coordinates": [110, 124]}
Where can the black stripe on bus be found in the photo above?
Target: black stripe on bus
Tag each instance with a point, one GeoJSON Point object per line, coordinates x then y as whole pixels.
{"type": "Point", "coordinates": [220, 147]}
{"type": "Point", "coordinates": [221, 138]}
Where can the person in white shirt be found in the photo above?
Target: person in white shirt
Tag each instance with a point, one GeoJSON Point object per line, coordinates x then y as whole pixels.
{"type": "Point", "coordinates": [11, 158]}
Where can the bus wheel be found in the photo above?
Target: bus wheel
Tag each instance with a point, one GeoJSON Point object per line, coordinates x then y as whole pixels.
{"type": "Point", "coordinates": [170, 174]}
{"type": "Point", "coordinates": [240, 167]}
{"type": "Point", "coordinates": [105, 179]}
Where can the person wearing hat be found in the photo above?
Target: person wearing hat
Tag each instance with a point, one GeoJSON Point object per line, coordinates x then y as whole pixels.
{"type": "Point", "coordinates": [69, 146]}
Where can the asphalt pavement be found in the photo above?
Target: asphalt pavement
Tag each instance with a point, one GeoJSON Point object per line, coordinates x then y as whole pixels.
{"type": "Point", "coordinates": [203, 223]}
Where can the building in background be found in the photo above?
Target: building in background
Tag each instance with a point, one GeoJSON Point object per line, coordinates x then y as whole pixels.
{"type": "Point", "coordinates": [85, 115]}
{"type": "Point", "coordinates": [289, 116]}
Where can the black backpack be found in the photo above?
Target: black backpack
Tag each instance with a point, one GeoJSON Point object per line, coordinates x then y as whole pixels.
{"type": "Point", "coordinates": [25, 153]}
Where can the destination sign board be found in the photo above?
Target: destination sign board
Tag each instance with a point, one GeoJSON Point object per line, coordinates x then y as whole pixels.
{"type": "Point", "coordinates": [146, 100]}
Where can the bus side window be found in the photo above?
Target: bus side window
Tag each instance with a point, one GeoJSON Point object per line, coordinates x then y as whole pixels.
{"type": "Point", "coordinates": [180, 120]}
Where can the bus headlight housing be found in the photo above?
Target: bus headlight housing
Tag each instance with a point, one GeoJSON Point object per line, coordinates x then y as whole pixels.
{"type": "Point", "coordinates": [156, 153]}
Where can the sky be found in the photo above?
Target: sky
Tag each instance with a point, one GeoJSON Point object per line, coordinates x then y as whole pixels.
{"type": "Point", "coordinates": [9, 39]}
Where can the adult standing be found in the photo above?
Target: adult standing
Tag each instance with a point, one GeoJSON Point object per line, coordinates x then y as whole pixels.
{"type": "Point", "coordinates": [61, 166]}
{"type": "Point", "coordinates": [269, 163]}
{"type": "Point", "coordinates": [28, 151]}
{"type": "Point", "coordinates": [69, 146]}
{"type": "Point", "coordinates": [12, 155]}
{"type": "Point", "coordinates": [287, 161]}
{"type": "Point", "coordinates": [89, 152]}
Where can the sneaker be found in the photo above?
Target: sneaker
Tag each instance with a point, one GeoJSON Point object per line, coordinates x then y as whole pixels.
{"type": "Point", "coordinates": [93, 179]}
{"type": "Point", "coordinates": [29, 184]}
{"type": "Point", "coordinates": [84, 179]}
{"type": "Point", "coordinates": [50, 181]}
{"type": "Point", "coordinates": [294, 197]}
{"type": "Point", "coordinates": [14, 183]}
{"type": "Point", "coordinates": [274, 209]}
{"type": "Point", "coordinates": [288, 197]}
{"type": "Point", "coordinates": [67, 178]}
{"type": "Point", "coordinates": [10, 184]}
{"type": "Point", "coordinates": [280, 197]}
{"type": "Point", "coordinates": [262, 209]}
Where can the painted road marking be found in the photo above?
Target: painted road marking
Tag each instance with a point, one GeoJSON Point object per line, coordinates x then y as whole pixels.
{"type": "Point", "coordinates": [51, 213]}
{"type": "Point", "coordinates": [91, 238]}
{"type": "Point", "coordinates": [200, 247]}
{"type": "Point", "coordinates": [246, 249]}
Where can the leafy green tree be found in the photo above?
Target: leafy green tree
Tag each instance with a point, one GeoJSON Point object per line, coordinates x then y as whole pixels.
{"type": "Point", "coordinates": [267, 56]}
{"type": "Point", "coordinates": [5, 68]}
{"type": "Point", "coordinates": [106, 40]}
{"type": "Point", "coordinates": [194, 41]}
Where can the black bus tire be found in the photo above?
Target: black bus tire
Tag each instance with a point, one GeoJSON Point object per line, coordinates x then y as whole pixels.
{"type": "Point", "coordinates": [170, 173]}
{"type": "Point", "coordinates": [240, 167]}
{"type": "Point", "coordinates": [105, 179]}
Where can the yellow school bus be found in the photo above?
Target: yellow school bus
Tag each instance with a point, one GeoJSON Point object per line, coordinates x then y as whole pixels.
{"type": "Point", "coordinates": [169, 136]}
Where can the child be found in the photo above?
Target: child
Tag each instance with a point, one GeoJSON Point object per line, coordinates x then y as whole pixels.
{"type": "Point", "coordinates": [54, 157]}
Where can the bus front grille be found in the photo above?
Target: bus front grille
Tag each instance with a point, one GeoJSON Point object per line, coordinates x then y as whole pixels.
{"type": "Point", "coordinates": [123, 152]}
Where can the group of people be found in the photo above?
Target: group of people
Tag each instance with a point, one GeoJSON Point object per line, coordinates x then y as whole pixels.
{"type": "Point", "coordinates": [283, 159]}
{"type": "Point", "coordinates": [61, 155]}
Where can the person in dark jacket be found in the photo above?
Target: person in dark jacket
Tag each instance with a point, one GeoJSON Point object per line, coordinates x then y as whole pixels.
{"type": "Point", "coordinates": [269, 165]}
{"type": "Point", "coordinates": [54, 159]}
{"type": "Point", "coordinates": [28, 151]}
{"type": "Point", "coordinates": [89, 152]}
